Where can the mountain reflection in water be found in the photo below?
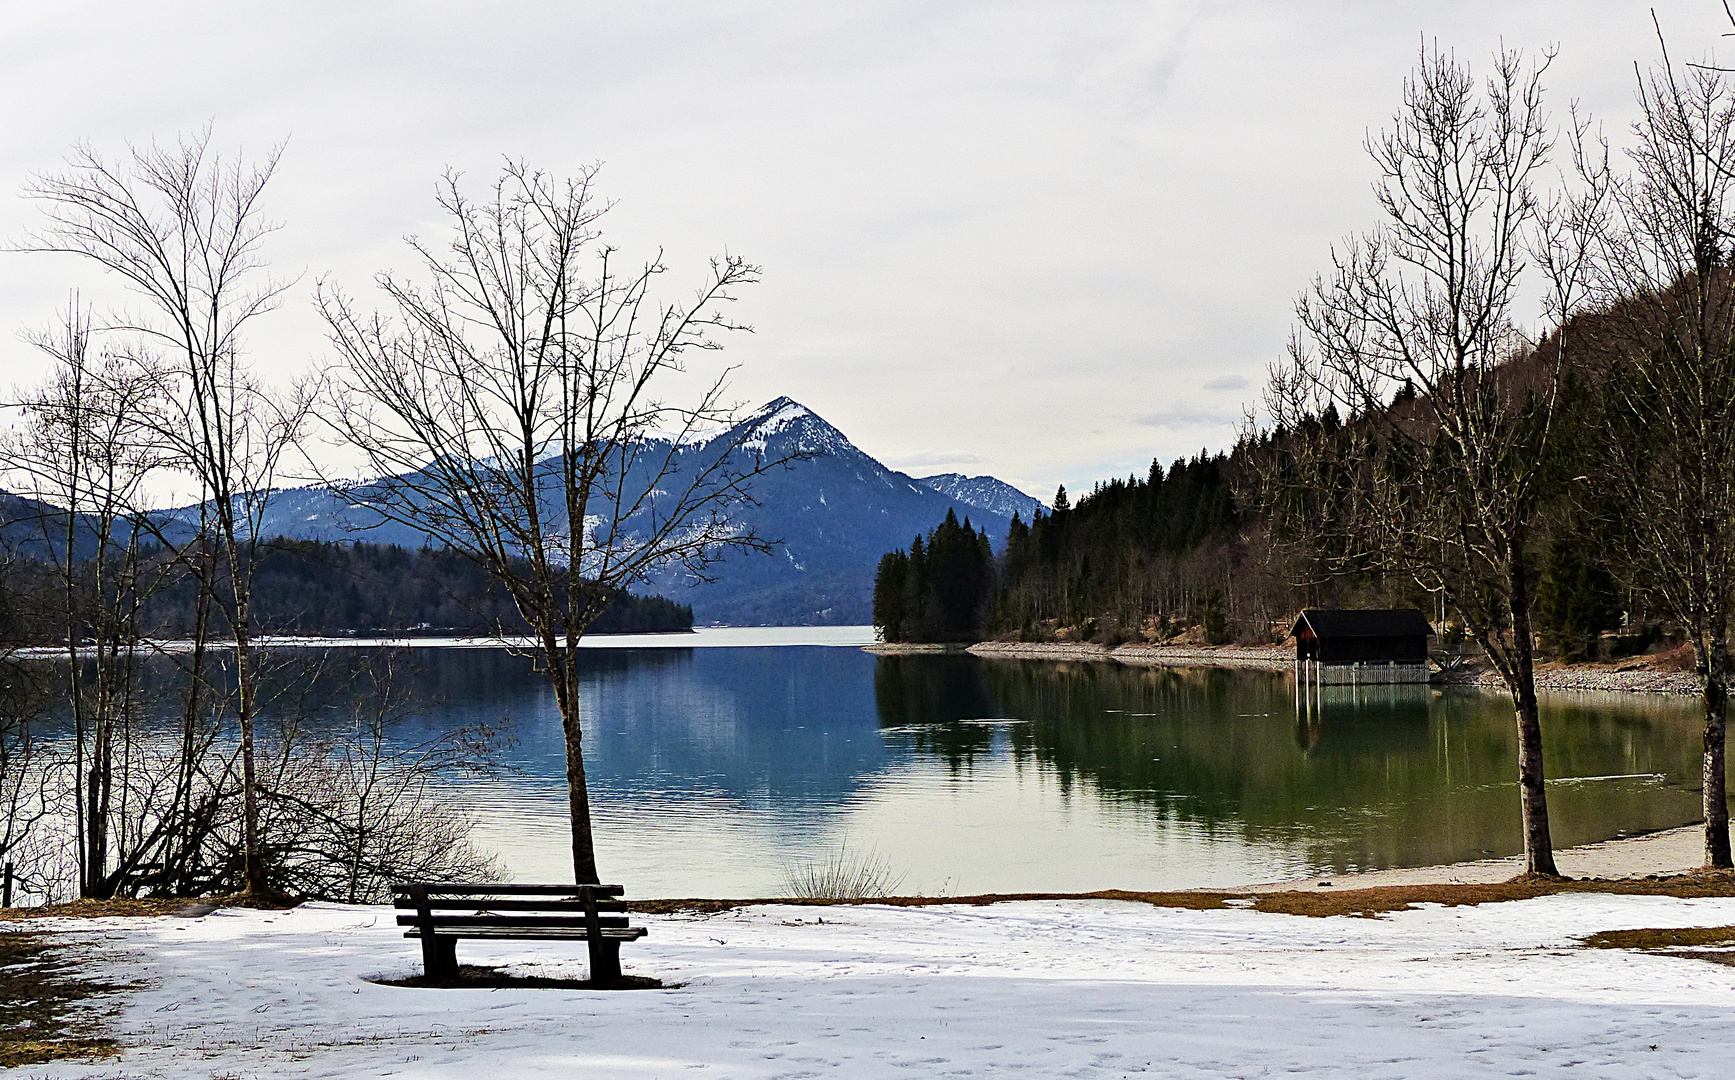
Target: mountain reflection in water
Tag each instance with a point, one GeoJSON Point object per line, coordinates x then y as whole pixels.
{"type": "Point", "coordinates": [713, 770]}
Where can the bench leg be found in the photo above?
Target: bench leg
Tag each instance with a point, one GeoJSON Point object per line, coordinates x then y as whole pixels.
{"type": "Point", "coordinates": [439, 957]}
{"type": "Point", "coordinates": [605, 961]}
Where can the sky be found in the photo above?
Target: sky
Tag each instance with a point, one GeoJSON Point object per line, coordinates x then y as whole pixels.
{"type": "Point", "coordinates": [1045, 241]}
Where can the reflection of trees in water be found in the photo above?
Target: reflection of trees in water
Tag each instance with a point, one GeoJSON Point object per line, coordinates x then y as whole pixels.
{"type": "Point", "coordinates": [1369, 776]}
{"type": "Point", "coordinates": [928, 696]}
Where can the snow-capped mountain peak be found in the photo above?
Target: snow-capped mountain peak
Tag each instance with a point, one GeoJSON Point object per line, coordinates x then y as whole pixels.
{"type": "Point", "coordinates": [785, 426]}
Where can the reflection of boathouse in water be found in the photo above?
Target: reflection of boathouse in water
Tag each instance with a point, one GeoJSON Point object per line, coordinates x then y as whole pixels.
{"type": "Point", "coordinates": [1359, 648]}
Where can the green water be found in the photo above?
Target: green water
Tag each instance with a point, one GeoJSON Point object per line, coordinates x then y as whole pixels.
{"type": "Point", "coordinates": [1370, 778]}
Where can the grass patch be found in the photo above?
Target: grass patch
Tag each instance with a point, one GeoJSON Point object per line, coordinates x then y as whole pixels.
{"type": "Point", "coordinates": [1316, 903]}
{"type": "Point", "coordinates": [1713, 943]}
{"type": "Point", "coordinates": [123, 908]}
{"type": "Point", "coordinates": [1675, 938]}
{"type": "Point", "coordinates": [485, 977]}
{"type": "Point", "coordinates": [93, 909]}
{"type": "Point", "coordinates": [46, 1011]}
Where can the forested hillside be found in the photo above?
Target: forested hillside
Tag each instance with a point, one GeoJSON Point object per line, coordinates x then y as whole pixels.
{"type": "Point", "coordinates": [1186, 552]}
{"type": "Point", "coordinates": [310, 587]}
{"type": "Point", "coordinates": [328, 589]}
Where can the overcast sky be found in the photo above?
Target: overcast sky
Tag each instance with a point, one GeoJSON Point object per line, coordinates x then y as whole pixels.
{"type": "Point", "coordinates": [1047, 241]}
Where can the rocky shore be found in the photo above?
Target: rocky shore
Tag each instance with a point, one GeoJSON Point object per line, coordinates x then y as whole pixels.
{"type": "Point", "coordinates": [1587, 677]}
{"type": "Point", "coordinates": [1265, 658]}
{"type": "Point", "coordinates": [1631, 676]}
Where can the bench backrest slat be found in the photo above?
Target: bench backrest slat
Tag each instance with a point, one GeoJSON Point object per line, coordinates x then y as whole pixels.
{"type": "Point", "coordinates": [483, 903]}
{"type": "Point", "coordinates": [513, 890]}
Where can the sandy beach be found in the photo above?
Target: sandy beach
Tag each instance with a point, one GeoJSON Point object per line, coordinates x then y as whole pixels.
{"type": "Point", "coordinates": [1672, 851]}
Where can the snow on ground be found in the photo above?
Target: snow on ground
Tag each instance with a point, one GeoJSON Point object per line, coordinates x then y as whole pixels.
{"type": "Point", "coordinates": [1037, 989]}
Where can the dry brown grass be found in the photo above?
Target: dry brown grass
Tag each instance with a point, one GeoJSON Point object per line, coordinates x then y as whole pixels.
{"type": "Point", "coordinates": [1672, 938]}
{"type": "Point", "coordinates": [1715, 944]}
{"type": "Point", "coordinates": [46, 1011]}
{"type": "Point", "coordinates": [98, 909]}
{"type": "Point", "coordinates": [93, 909]}
{"type": "Point", "coordinates": [1314, 902]}
{"type": "Point", "coordinates": [1317, 903]}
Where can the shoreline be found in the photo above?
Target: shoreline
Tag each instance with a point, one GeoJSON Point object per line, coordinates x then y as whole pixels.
{"type": "Point", "coordinates": [1661, 857]}
{"type": "Point", "coordinates": [1626, 678]}
{"type": "Point", "coordinates": [1669, 852]}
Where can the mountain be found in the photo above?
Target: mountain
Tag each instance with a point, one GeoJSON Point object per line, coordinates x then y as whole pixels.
{"type": "Point", "coordinates": [830, 515]}
{"type": "Point", "coordinates": [996, 496]}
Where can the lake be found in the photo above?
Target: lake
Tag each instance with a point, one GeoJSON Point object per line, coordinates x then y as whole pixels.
{"type": "Point", "coordinates": [719, 760]}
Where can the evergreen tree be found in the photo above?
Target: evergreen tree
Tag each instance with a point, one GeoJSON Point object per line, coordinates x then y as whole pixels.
{"type": "Point", "coordinates": [941, 590]}
{"type": "Point", "coordinates": [890, 614]}
{"type": "Point", "coordinates": [1575, 601]}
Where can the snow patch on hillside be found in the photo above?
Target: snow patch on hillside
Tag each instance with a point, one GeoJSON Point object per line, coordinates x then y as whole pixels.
{"type": "Point", "coordinates": [987, 492]}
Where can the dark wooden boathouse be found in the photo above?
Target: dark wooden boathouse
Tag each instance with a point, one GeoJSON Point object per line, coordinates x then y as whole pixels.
{"type": "Point", "coordinates": [1351, 647]}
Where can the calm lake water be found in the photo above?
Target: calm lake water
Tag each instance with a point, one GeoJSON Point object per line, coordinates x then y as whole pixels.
{"type": "Point", "coordinates": [714, 769]}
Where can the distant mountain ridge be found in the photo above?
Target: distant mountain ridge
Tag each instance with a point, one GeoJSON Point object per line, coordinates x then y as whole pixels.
{"type": "Point", "coordinates": [995, 496]}
{"type": "Point", "coordinates": [831, 514]}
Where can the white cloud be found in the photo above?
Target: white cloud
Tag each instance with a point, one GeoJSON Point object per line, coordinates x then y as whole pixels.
{"type": "Point", "coordinates": [943, 460]}
{"type": "Point", "coordinates": [1184, 418]}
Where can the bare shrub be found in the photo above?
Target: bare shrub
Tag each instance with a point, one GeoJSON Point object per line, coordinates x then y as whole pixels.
{"type": "Point", "coordinates": [349, 811]}
{"type": "Point", "coordinates": [841, 874]}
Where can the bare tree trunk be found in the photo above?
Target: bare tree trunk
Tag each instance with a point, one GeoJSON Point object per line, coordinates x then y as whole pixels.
{"type": "Point", "coordinates": [1715, 668]}
{"type": "Point", "coordinates": [190, 717]}
{"type": "Point", "coordinates": [577, 786]}
{"type": "Point", "coordinates": [1533, 795]}
{"type": "Point", "coordinates": [578, 796]}
{"type": "Point", "coordinates": [247, 700]}
{"type": "Point", "coordinates": [245, 706]}
{"type": "Point", "coordinates": [98, 789]}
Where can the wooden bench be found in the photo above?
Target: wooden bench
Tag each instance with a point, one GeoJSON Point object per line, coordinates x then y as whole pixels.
{"type": "Point", "coordinates": [441, 914]}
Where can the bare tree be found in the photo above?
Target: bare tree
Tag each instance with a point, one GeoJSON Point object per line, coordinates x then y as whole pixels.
{"type": "Point", "coordinates": [82, 454]}
{"type": "Point", "coordinates": [1441, 459]}
{"type": "Point", "coordinates": [28, 768]}
{"type": "Point", "coordinates": [510, 404]}
{"type": "Point", "coordinates": [182, 226]}
{"type": "Point", "coordinates": [1666, 336]}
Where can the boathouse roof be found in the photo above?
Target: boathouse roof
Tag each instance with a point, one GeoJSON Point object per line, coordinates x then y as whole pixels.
{"type": "Point", "coordinates": [1353, 623]}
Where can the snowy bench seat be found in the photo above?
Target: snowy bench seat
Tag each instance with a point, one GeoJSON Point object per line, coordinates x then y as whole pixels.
{"type": "Point", "coordinates": [441, 914]}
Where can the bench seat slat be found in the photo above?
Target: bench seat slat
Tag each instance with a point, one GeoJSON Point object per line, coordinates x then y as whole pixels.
{"type": "Point", "coordinates": [574, 933]}
{"type": "Point", "coordinates": [513, 890]}
{"type": "Point", "coordinates": [518, 920]}
{"type": "Point", "coordinates": [478, 903]}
